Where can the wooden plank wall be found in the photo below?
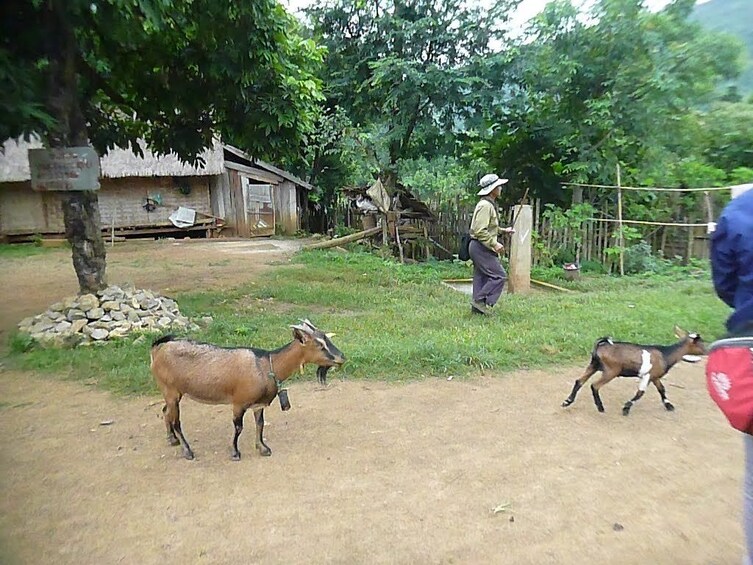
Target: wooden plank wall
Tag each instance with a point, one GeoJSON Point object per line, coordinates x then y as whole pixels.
{"type": "Point", "coordinates": [23, 211]}
{"type": "Point", "coordinates": [237, 211]}
{"type": "Point", "coordinates": [286, 207]}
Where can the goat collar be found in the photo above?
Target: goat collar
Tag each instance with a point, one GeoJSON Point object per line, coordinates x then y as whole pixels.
{"type": "Point", "coordinates": [272, 375]}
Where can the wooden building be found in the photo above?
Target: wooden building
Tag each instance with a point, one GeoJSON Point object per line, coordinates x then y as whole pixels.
{"type": "Point", "coordinates": [231, 193]}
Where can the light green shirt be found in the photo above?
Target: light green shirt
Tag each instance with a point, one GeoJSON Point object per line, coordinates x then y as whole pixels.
{"type": "Point", "coordinates": [485, 223]}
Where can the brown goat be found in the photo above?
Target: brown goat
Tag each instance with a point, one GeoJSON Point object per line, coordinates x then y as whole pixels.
{"type": "Point", "coordinates": [648, 362]}
{"type": "Point", "coordinates": [244, 377]}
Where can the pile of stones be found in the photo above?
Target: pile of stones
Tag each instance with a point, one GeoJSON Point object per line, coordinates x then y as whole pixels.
{"type": "Point", "coordinates": [111, 313]}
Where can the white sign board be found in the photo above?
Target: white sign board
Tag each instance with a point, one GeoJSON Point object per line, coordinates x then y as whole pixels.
{"type": "Point", "coordinates": [69, 169]}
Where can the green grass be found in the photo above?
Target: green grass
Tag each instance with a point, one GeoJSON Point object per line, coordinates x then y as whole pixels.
{"type": "Point", "coordinates": [21, 250]}
{"type": "Point", "coordinates": [396, 322]}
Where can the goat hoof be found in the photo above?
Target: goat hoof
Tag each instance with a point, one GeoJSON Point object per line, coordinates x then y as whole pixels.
{"type": "Point", "coordinates": [235, 456]}
{"type": "Point", "coordinates": [669, 406]}
{"type": "Point", "coordinates": [264, 451]}
{"type": "Point", "coordinates": [173, 441]}
{"type": "Point", "coordinates": [600, 409]}
{"type": "Point", "coordinates": [567, 403]}
{"type": "Point", "coordinates": [626, 411]}
{"type": "Point", "coordinates": [188, 455]}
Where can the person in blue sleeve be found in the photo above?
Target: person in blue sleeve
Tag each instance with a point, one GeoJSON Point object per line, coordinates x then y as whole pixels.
{"type": "Point", "coordinates": [732, 271]}
{"type": "Point", "coordinates": [732, 261]}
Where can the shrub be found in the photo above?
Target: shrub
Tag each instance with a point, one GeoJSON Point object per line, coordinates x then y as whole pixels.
{"type": "Point", "coordinates": [593, 267]}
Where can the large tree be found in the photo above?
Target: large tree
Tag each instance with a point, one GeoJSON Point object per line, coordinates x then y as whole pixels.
{"type": "Point", "coordinates": [176, 73]}
{"type": "Point", "coordinates": [415, 73]}
{"type": "Point", "coordinates": [595, 91]}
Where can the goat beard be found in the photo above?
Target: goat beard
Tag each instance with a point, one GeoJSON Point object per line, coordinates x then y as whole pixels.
{"type": "Point", "coordinates": [321, 374]}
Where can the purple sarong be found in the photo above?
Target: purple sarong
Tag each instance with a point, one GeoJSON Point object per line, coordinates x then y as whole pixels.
{"type": "Point", "coordinates": [488, 275]}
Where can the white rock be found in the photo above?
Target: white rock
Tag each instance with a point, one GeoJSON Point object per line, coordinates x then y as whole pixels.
{"type": "Point", "coordinates": [41, 326]}
{"type": "Point", "coordinates": [95, 313]}
{"type": "Point", "coordinates": [99, 334]}
{"type": "Point", "coordinates": [63, 327]}
{"type": "Point", "coordinates": [75, 314]}
{"type": "Point", "coordinates": [118, 333]}
{"type": "Point", "coordinates": [87, 302]}
{"type": "Point", "coordinates": [77, 325]}
{"type": "Point", "coordinates": [111, 305]}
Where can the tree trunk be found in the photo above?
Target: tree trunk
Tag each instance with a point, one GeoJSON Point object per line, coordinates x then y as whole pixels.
{"type": "Point", "coordinates": [80, 209]}
{"type": "Point", "coordinates": [82, 229]}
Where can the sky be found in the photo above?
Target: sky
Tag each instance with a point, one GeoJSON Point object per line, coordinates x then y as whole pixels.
{"type": "Point", "coordinates": [526, 10]}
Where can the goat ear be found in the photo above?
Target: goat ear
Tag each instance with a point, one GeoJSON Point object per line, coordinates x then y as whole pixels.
{"type": "Point", "coordinates": [679, 332]}
{"type": "Point", "coordinates": [300, 333]}
{"type": "Point", "coordinates": [331, 335]}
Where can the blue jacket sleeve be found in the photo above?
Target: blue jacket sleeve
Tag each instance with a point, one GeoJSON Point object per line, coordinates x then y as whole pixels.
{"type": "Point", "coordinates": [723, 262]}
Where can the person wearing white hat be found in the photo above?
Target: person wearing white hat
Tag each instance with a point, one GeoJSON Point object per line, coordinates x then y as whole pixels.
{"type": "Point", "coordinates": [488, 275]}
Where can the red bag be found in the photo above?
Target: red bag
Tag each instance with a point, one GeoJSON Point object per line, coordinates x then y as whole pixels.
{"type": "Point", "coordinates": [729, 379]}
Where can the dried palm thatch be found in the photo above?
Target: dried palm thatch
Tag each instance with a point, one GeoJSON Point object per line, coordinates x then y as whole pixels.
{"type": "Point", "coordinates": [118, 163]}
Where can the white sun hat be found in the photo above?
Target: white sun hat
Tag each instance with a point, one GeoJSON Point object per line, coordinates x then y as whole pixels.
{"type": "Point", "coordinates": [489, 182]}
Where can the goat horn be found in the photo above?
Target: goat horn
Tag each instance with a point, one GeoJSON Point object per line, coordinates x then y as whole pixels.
{"type": "Point", "coordinates": [308, 323]}
{"type": "Point", "coordinates": [330, 335]}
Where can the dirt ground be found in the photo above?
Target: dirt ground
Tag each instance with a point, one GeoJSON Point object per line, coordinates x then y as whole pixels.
{"type": "Point", "coordinates": [361, 472]}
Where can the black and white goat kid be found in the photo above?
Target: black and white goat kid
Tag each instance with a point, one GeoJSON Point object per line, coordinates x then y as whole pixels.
{"type": "Point", "coordinates": [647, 362]}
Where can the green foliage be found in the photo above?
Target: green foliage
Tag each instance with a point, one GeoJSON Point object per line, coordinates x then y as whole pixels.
{"type": "Point", "coordinates": [397, 321]}
{"type": "Point", "coordinates": [639, 258]}
{"type": "Point", "coordinates": [21, 342]}
{"type": "Point", "coordinates": [592, 267]}
{"type": "Point", "coordinates": [174, 73]}
{"type": "Point", "coordinates": [413, 71]}
{"type": "Point", "coordinates": [439, 179]}
{"type": "Point", "coordinates": [607, 90]}
{"type": "Point", "coordinates": [741, 175]}
{"type": "Point", "coordinates": [734, 17]}
{"type": "Point", "coordinates": [572, 219]}
{"type": "Point", "coordinates": [728, 135]}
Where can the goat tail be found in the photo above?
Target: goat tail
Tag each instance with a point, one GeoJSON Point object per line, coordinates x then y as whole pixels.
{"type": "Point", "coordinates": [595, 361]}
{"type": "Point", "coordinates": [157, 343]}
{"type": "Point", "coordinates": [163, 339]}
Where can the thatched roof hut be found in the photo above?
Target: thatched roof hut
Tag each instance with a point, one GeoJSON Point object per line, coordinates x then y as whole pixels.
{"type": "Point", "coordinates": [231, 191]}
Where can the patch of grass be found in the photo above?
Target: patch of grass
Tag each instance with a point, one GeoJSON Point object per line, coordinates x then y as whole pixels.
{"type": "Point", "coordinates": [397, 322]}
{"type": "Point", "coordinates": [22, 250]}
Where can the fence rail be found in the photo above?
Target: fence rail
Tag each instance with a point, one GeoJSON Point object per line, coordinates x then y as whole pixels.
{"type": "Point", "coordinates": [597, 236]}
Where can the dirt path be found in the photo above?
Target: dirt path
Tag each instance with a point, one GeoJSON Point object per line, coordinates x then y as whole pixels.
{"type": "Point", "coordinates": [361, 472]}
{"type": "Point", "coordinates": [372, 472]}
{"type": "Point", "coordinates": [31, 284]}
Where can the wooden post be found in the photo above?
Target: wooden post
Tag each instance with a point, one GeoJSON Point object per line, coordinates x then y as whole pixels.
{"type": "Point", "coordinates": [689, 247]}
{"type": "Point", "coordinates": [112, 228]}
{"type": "Point", "coordinates": [520, 251]}
{"type": "Point", "coordinates": [709, 207]}
{"type": "Point", "coordinates": [619, 218]}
